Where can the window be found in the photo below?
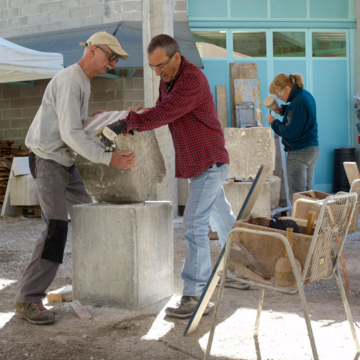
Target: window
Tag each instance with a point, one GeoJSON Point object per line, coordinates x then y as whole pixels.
{"type": "Point", "coordinates": [249, 44]}
{"type": "Point", "coordinates": [211, 44]}
{"type": "Point", "coordinates": [328, 44]}
{"type": "Point", "coordinates": [289, 44]}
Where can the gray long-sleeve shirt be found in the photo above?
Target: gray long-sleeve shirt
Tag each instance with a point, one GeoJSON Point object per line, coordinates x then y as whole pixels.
{"type": "Point", "coordinates": [59, 121]}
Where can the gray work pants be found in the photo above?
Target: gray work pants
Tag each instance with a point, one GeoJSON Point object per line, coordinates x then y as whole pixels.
{"type": "Point", "coordinates": [59, 188]}
{"type": "Point", "coordinates": [300, 166]}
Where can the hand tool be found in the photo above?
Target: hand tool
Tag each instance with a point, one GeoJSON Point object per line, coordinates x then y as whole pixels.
{"type": "Point", "coordinates": [284, 275]}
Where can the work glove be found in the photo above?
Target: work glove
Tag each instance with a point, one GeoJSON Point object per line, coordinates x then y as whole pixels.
{"type": "Point", "coordinates": [109, 134]}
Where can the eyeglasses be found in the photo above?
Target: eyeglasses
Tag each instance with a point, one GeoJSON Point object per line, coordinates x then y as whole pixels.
{"type": "Point", "coordinates": [111, 56]}
{"type": "Point", "coordinates": [280, 93]}
{"type": "Point", "coordinates": [160, 67]}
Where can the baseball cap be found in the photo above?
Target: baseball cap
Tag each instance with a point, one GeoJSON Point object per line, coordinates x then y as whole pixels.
{"type": "Point", "coordinates": [104, 38]}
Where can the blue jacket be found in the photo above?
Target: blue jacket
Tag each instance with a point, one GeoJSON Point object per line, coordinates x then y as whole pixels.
{"type": "Point", "coordinates": [299, 128]}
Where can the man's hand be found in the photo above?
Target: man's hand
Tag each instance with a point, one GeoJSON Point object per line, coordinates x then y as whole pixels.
{"type": "Point", "coordinates": [122, 159]}
{"type": "Point", "coordinates": [98, 111]}
{"type": "Point", "coordinates": [109, 134]}
{"type": "Point", "coordinates": [136, 108]}
{"type": "Point", "coordinates": [269, 118]}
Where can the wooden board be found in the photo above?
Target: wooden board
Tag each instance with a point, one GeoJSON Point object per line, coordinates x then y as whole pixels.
{"type": "Point", "coordinates": [240, 71]}
{"type": "Point", "coordinates": [214, 277]}
{"type": "Point", "coordinates": [77, 309]}
{"type": "Point", "coordinates": [240, 254]}
{"type": "Point", "coordinates": [222, 106]}
{"type": "Point", "coordinates": [352, 171]}
{"type": "Point", "coordinates": [248, 90]}
{"type": "Point", "coordinates": [60, 295]}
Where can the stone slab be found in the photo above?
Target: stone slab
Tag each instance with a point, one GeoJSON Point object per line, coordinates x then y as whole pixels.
{"type": "Point", "coordinates": [123, 255]}
{"type": "Point", "coordinates": [268, 198]}
{"type": "Point", "coordinates": [106, 183]}
{"type": "Point", "coordinates": [23, 191]}
{"type": "Point", "coordinates": [249, 148]}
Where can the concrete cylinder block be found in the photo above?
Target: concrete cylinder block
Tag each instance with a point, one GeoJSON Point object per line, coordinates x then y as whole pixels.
{"type": "Point", "coordinates": [123, 255]}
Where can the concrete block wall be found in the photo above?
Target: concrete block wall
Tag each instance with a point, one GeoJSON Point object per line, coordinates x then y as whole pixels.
{"type": "Point", "coordinates": [18, 105]}
{"type": "Point", "coordinates": [23, 17]}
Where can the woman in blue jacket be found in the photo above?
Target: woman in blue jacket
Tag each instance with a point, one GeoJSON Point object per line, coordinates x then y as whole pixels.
{"type": "Point", "coordinates": [298, 129]}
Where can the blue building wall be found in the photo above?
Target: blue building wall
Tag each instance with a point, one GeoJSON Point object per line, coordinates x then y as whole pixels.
{"type": "Point", "coordinates": [329, 79]}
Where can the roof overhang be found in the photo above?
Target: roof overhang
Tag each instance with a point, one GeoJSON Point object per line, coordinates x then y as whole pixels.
{"type": "Point", "coordinates": [129, 34]}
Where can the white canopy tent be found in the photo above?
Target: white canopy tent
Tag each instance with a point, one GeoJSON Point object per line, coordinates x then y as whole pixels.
{"type": "Point", "coordinates": [18, 63]}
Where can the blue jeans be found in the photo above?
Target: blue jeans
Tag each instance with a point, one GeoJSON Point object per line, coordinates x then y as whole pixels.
{"type": "Point", "coordinates": [300, 167]}
{"type": "Point", "coordinates": [206, 205]}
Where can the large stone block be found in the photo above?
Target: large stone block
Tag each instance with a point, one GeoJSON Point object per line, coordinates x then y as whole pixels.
{"type": "Point", "coordinates": [123, 255]}
{"type": "Point", "coordinates": [249, 148]}
{"type": "Point", "coordinates": [268, 199]}
{"type": "Point", "coordinates": [106, 183]}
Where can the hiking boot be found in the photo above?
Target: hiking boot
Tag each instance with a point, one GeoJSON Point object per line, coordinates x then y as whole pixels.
{"type": "Point", "coordinates": [34, 313]}
{"type": "Point", "coordinates": [185, 308]}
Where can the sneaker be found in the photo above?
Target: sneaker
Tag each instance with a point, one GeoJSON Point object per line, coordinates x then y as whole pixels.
{"type": "Point", "coordinates": [34, 313]}
{"type": "Point", "coordinates": [185, 308]}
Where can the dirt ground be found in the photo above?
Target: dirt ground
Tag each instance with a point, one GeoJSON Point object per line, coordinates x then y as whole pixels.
{"type": "Point", "coordinates": [148, 334]}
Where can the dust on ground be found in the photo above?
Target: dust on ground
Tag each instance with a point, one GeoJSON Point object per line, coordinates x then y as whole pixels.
{"type": "Point", "coordinates": [149, 334]}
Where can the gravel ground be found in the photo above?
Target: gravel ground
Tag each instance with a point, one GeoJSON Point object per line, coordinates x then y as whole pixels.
{"type": "Point", "coordinates": [148, 334]}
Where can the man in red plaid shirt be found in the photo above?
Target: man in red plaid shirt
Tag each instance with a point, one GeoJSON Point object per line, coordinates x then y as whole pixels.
{"type": "Point", "coordinates": [186, 105]}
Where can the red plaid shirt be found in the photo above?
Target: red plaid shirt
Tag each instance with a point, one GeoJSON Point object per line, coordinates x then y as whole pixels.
{"type": "Point", "coordinates": [188, 108]}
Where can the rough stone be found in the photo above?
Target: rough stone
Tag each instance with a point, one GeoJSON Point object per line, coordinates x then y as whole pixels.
{"type": "Point", "coordinates": [236, 193]}
{"type": "Point", "coordinates": [106, 183]}
{"type": "Point", "coordinates": [123, 255]}
{"type": "Point", "coordinates": [249, 148]}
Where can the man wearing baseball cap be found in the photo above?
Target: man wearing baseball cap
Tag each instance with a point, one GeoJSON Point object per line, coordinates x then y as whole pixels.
{"type": "Point", "coordinates": [57, 125]}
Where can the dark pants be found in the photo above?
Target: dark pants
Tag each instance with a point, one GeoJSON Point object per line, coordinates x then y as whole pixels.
{"type": "Point", "coordinates": [59, 188]}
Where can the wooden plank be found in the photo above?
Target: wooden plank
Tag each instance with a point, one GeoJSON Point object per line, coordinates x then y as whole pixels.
{"type": "Point", "coordinates": [240, 254]}
{"type": "Point", "coordinates": [221, 100]}
{"type": "Point", "coordinates": [214, 277]}
{"type": "Point", "coordinates": [239, 71]}
{"type": "Point", "coordinates": [239, 269]}
{"type": "Point", "coordinates": [352, 171]}
{"type": "Point", "coordinates": [248, 90]}
{"type": "Point", "coordinates": [60, 295]}
{"type": "Point", "coordinates": [78, 310]}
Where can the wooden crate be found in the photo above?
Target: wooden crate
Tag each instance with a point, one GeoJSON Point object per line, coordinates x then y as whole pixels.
{"type": "Point", "coordinates": [267, 250]}
{"type": "Point", "coordinates": [302, 209]}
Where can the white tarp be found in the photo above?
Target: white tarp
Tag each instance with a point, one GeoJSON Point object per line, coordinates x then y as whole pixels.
{"type": "Point", "coordinates": [18, 63]}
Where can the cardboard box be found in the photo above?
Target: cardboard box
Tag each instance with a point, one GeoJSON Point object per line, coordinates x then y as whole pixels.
{"type": "Point", "coordinates": [302, 209]}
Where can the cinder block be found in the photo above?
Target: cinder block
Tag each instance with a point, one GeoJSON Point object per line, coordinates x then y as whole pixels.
{"type": "Point", "coordinates": [122, 254]}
